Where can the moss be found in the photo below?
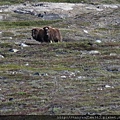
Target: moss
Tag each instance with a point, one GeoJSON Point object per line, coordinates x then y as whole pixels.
{"type": "Point", "coordinates": [13, 67]}
{"type": "Point", "coordinates": [28, 23]}
{"type": "Point", "coordinates": [118, 1]}
{"type": "Point", "coordinates": [7, 34]}
{"type": "Point", "coordinates": [5, 45]}
{"type": "Point", "coordinates": [108, 1]}
{"type": "Point", "coordinates": [21, 93]}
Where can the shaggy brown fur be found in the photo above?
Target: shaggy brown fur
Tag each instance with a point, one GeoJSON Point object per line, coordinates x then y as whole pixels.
{"type": "Point", "coordinates": [52, 34]}
{"type": "Point", "coordinates": [38, 34]}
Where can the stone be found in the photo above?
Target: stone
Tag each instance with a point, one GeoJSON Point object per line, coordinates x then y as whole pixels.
{"type": "Point", "coordinates": [63, 77]}
{"type": "Point", "coordinates": [108, 86]}
{"type": "Point", "coordinates": [44, 74]}
{"type": "Point", "coordinates": [81, 77]}
{"type": "Point", "coordinates": [113, 54]}
{"type": "Point", "coordinates": [27, 64]}
{"type": "Point", "coordinates": [98, 41]}
{"type": "Point", "coordinates": [10, 99]}
{"type": "Point", "coordinates": [23, 11]}
{"type": "Point", "coordinates": [85, 31]}
{"type": "Point", "coordinates": [10, 38]}
{"type": "Point", "coordinates": [37, 74]}
{"type": "Point", "coordinates": [1, 56]}
{"type": "Point", "coordinates": [51, 16]}
{"type": "Point", "coordinates": [94, 52]}
{"type": "Point", "coordinates": [13, 50]}
{"type": "Point", "coordinates": [99, 88]}
{"type": "Point", "coordinates": [23, 45]}
{"type": "Point", "coordinates": [113, 68]}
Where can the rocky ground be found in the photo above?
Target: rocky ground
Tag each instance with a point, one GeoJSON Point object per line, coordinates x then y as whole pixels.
{"type": "Point", "coordinates": [81, 75]}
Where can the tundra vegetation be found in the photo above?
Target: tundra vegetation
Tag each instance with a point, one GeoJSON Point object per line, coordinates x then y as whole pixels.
{"type": "Point", "coordinates": [78, 76]}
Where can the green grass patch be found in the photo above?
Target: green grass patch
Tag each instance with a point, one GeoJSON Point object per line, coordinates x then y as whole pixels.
{"type": "Point", "coordinates": [8, 34]}
{"type": "Point", "coordinates": [118, 1]}
{"type": "Point", "coordinates": [103, 29]}
{"type": "Point", "coordinates": [108, 1]}
{"type": "Point", "coordinates": [21, 93]}
{"type": "Point", "coordinates": [12, 24]}
{"type": "Point", "coordinates": [11, 67]}
{"type": "Point", "coordinates": [5, 45]}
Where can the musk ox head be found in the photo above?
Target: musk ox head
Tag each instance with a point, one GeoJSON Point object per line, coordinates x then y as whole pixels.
{"type": "Point", "coordinates": [47, 33]}
{"type": "Point", "coordinates": [35, 33]}
{"type": "Point", "coordinates": [47, 30]}
{"type": "Point", "coordinates": [38, 34]}
{"type": "Point", "coordinates": [52, 34]}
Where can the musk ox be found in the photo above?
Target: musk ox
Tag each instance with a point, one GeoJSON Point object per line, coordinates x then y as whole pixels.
{"type": "Point", "coordinates": [38, 34]}
{"type": "Point", "coordinates": [52, 34]}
